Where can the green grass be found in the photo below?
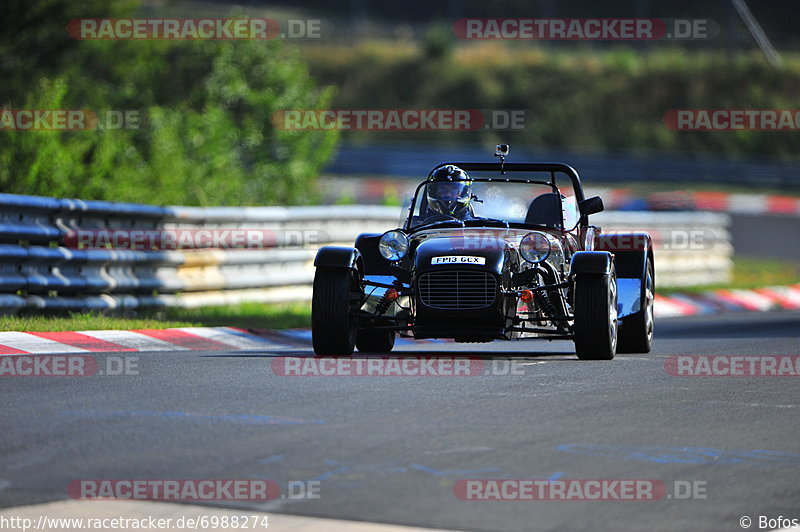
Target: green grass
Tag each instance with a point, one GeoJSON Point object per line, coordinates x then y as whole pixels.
{"type": "Point", "coordinates": [245, 316]}
{"type": "Point", "coordinates": [248, 315]}
{"type": "Point", "coordinates": [750, 272]}
{"type": "Point", "coordinates": [754, 273]}
{"type": "Point", "coordinates": [83, 322]}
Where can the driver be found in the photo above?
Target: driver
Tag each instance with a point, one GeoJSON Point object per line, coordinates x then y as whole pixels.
{"type": "Point", "coordinates": [449, 193]}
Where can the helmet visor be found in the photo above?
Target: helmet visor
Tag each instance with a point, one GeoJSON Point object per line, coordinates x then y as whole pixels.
{"type": "Point", "coordinates": [449, 190]}
{"type": "Point", "coordinates": [449, 197]}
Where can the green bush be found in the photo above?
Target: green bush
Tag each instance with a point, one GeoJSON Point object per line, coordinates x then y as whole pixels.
{"type": "Point", "coordinates": [583, 99]}
{"type": "Point", "coordinates": [205, 134]}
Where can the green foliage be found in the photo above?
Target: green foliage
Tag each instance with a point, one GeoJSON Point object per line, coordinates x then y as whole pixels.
{"type": "Point", "coordinates": [751, 272]}
{"type": "Point", "coordinates": [590, 100]}
{"type": "Point", "coordinates": [438, 41]}
{"type": "Point", "coordinates": [205, 134]}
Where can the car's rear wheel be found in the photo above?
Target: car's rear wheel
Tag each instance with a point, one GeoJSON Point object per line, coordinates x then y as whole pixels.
{"type": "Point", "coordinates": [596, 316]}
{"type": "Point", "coordinates": [333, 326]}
{"type": "Point", "coordinates": [375, 341]}
{"type": "Point", "coordinates": [636, 331]}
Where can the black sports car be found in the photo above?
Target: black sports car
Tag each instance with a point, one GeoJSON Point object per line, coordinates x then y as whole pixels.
{"type": "Point", "coordinates": [489, 251]}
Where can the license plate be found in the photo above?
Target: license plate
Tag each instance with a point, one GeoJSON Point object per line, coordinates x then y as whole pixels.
{"type": "Point", "coordinates": [458, 259]}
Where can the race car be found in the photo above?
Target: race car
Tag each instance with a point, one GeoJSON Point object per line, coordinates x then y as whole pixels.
{"type": "Point", "coordinates": [489, 251]}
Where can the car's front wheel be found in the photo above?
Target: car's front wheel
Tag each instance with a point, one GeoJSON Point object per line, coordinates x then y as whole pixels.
{"type": "Point", "coordinates": [595, 325]}
{"type": "Point", "coordinates": [333, 326]}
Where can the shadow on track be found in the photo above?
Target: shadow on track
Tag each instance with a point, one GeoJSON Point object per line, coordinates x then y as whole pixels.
{"type": "Point", "coordinates": [483, 355]}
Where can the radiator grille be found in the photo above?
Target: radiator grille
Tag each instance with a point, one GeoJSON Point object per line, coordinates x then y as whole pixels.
{"type": "Point", "coordinates": [457, 289]}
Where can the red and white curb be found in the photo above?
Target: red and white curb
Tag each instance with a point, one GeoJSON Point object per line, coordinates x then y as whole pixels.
{"type": "Point", "coordinates": [733, 203]}
{"type": "Point", "coordinates": [715, 301]}
{"type": "Point", "coordinates": [177, 339]}
{"type": "Point", "coordinates": [233, 339]}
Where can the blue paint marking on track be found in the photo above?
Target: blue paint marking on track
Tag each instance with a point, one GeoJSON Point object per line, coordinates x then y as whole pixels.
{"type": "Point", "coordinates": [451, 471]}
{"type": "Point", "coordinates": [335, 468]}
{"type": "Point", "coordinates": [427, 469]}
{"type": "Point", "coordinates": [242, 419]}
{"type": "Point", "coordinates": [298, 334]}
{"type": "Point", "coordinates": [330, 473]}
{"type": "Point", "coordinates": [683, 455]}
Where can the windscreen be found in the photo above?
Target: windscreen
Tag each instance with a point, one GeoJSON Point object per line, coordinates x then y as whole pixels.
{"type": "Point", "coordinates": [507, 201]}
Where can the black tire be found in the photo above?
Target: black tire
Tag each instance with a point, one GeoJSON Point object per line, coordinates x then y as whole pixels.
{"type": "Point", "coordinates": [375, 341]}
{"type": "Point", "coordinates": [596, 316]}
{"type": "Point", "coordinates": [636, 331]}
{"type": "Point", "coordinates": [333, 328]}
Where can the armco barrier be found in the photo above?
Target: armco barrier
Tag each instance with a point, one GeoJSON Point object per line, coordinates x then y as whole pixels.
{"type": "Point", "coordinates": [39, 271]}
{"type": "Point", "coordinates": [690, 248]}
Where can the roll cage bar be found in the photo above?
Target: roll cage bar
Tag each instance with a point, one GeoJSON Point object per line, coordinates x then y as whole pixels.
{"type": "Point", "coordinates": [502, 168]}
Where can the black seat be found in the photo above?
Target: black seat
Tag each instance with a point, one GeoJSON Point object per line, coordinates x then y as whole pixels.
{"type": "Point", "coordinates": [546, 210]}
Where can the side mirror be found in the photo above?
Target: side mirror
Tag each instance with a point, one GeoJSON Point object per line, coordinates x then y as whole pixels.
{"type": "Point", "coordinates": [591, 205]}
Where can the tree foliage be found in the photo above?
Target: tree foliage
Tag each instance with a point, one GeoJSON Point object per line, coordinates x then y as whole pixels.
{"type": "Point", "coordinates": [204, 134]}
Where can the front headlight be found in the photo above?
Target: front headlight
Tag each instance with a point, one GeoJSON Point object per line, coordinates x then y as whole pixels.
{"type": "Point", "coordinates": [536, 247]}
{"type": "Point", "coordinates": [393, 245]}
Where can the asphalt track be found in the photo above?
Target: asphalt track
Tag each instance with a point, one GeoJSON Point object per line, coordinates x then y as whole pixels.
{"type": "Point", "coordinates": [389, 449]}
{"type": "Point", "coordinates": [759, 235]}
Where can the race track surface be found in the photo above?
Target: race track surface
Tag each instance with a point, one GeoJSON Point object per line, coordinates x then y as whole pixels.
{"type": "Point", "coordinates": [391, 449]}
{"type": "Point", "coordinates": [757, 235]}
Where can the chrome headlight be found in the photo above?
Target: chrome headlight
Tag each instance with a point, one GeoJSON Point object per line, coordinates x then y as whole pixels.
{"type": "Point", "coordinates": [393, 245]}
{"type": "Point", "coordinates": [536, 247]}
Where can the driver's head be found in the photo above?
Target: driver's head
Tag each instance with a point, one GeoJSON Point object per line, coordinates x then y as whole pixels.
{"type": "Point", "coordinates": [449, 190]}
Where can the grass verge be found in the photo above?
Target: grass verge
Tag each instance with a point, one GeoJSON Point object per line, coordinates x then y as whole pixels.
{"type": "Point", "coordinates": [248, 315]}
{"type": "Point", "coordinates": [245, 315]}
{"type": "Point", "coordinates": [750, 272]}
